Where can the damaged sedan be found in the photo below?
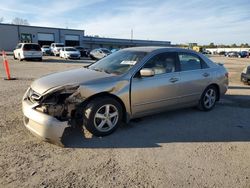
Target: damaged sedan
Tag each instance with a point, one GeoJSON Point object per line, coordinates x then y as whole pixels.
{"type": "Point", "coordinates": [131, 83]}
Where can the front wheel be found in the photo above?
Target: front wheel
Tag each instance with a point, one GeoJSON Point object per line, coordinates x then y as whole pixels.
{"type": "Point", "coordinates": [102, 116]}
{"type": "Point", "coordinates": [208, 99]}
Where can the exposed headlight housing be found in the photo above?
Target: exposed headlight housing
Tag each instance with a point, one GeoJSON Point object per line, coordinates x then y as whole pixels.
{"type": "Point", "coordinates": [59, 95]}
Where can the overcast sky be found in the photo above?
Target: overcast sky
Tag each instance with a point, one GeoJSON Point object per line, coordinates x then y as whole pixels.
{"type": "Point", "coordinates": [178, 21]}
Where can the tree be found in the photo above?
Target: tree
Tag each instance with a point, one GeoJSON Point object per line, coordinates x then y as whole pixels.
{"type": "Point", "coordinates": [20, 21]}
{"type": "Point", "coordinates": [234, 45]}
{"type": "Point", "coordinates": [211, 45]}
{"type": "Point", "coordinates": [1, 20]}
{"type": "Point", "coordinates": [244, 45]}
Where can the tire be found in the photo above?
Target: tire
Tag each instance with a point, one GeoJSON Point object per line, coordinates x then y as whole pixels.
{"type": "Point", "coordinates": [14, 57]}
{"type": "Point", "coordinates": [208, 98]}
{"type": "Point", "coordinates": [102, 116]}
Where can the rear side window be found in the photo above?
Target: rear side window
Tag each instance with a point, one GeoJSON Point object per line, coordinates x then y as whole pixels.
{"type": "Point", "coordinates": [191, 62]}
{"type": "Point", "coordinates": [18, 46]}
{"type": "Point", "coordinates": [34, 47]}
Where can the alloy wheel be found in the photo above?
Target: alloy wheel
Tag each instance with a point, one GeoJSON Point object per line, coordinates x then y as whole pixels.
{"type": "Point", "coordinates": [106, 117]}
{"type": "Point", "coordinates": [210, 98]}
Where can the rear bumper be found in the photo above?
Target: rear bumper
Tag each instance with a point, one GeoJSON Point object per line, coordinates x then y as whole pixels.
{"type": "Point", "coordinates": [42, 125]}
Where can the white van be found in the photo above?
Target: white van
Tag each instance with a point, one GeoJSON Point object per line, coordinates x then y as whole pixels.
{"type": "Point", "coordinates": [55, 48]}
{"type": "Point", "coordinates": [28, 51]}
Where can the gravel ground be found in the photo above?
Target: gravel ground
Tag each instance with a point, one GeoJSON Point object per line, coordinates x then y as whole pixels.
{"type": "Point", "coordinates": [182, 148]}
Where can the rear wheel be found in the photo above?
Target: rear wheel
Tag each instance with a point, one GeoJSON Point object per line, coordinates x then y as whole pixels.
{"type": "Point", "coordinates": [102, 116]}
{"type": "Point", "coordinates": [208, 99]}
{"type": "Point", "coordinates": [19, 57]}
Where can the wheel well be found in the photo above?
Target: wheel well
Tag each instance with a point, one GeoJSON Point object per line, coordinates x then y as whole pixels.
{"type": "Point", "coordinates": [217, 89]}
{"type": "Point", "coordinates": [105, 94]}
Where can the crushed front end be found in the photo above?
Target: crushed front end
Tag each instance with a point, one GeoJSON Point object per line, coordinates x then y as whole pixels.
{"type": "Point", "coordinates": [49, 114]}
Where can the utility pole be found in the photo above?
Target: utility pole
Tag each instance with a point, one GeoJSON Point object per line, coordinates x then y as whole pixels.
{"type": "Point", "coordinates": [132, 34]}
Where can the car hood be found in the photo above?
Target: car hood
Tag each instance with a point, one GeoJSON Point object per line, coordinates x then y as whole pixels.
{"type": "Point", "coordinates": [71, 77]}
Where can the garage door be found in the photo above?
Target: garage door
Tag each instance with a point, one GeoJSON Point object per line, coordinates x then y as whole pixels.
{"type": "Point", "coordinates": [72, 37]}
{"type": "Point", "coordinates": [45, 38]}
{"type": "Point", "coordinates": [72, 40]}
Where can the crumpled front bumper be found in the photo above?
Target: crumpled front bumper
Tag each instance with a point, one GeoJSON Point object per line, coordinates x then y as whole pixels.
{"type": "Point", "coordinates": [42, 125]}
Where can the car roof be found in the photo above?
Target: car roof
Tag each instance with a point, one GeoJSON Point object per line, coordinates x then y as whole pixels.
{"type": "Point", "coordinates": [149, 49]}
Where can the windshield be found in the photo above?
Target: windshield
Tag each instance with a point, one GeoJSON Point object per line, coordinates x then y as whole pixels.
{"type": "Point", "coordinates": [119, 62]}
{"type": "Point", "coordinates": [70, 49]}
{"type": "Point", "coordinates": [105, 51]}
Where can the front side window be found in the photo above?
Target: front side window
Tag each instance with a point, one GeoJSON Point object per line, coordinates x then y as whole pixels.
{"type": "Point", "coordinates": [18, 46]}
{"type": "Point", "coordinates": [162, 63]}
{"type": "Point", "coordinates": [189, 62]}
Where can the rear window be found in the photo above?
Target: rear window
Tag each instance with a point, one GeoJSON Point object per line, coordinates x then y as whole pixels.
{"type": "Point", "coordinates": [70, 49]}
{"type": "Point", "coordinates": [35, 47]}
{"type": "Point", "coordinates": [59, 45]}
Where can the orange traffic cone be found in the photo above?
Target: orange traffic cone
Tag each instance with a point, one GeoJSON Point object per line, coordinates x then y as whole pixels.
{"type": "Point", "coordinates": [6, 67]}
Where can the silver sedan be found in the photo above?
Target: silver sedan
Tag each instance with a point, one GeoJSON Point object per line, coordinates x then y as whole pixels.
{"type": "Point", "coordinates": [128, 84]}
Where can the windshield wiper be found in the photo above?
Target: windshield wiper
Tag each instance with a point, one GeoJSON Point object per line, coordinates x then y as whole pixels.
{"type": "Point", "coordinates": [102, 70]}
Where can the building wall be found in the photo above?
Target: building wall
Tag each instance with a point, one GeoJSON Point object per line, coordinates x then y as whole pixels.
{"type": "Point", "coordinates": [8, 37]}
{"type": "Point", "coordinates": [10, 34]}
{"type": "Point", "coordinates": [97, 42]}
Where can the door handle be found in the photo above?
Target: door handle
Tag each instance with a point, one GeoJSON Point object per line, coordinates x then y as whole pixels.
{"type": "Point", "coordinates": [206, 74]}
{"type": "Point", "coordinates": [173, 80]}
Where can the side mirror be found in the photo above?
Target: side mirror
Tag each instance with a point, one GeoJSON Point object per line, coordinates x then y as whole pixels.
{"type": "Point", "coordinates": [147, 72]}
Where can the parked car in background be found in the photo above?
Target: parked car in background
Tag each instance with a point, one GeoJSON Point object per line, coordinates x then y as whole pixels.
{"type": "Point", "coordinates": [206, 52]}
{"type": "Point", "coordinates": [46, 50]}
{"type": "Point", "coordinates": [99, 53]}
{"type": "Point", "coordinates": [243, 54]}
{"type": "Point", "coordinates": [84, 51]}
{"type": "Point", "coordinates": [24, 51]}
{"type": "Point", "coordinates": [245, 75]}
{"type": "Point", "coordinates": [130, 83]}
{"type": "Point", "coordinates": [55, 48]}
{"type": "Point", "coordinates": [232, 54]}
{"type": "Point", "coordinates": [70, 53]}
{"type": "Point", "coordinates": [222, 53]}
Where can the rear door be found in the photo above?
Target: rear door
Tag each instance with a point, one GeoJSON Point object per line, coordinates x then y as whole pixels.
{"type": "Point", "coordinates": [195, 77]}
{"type": "Point", "coordinates": [152, 94]}
{"type": "Point", "coordinates": [32, 50]}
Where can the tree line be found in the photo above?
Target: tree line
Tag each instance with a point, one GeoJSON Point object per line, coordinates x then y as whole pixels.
{"type": "Point", "coordinates": [212, 45]}
{"type": "Point", "coordinates": [16, 21]}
